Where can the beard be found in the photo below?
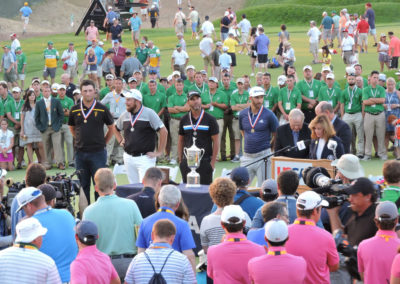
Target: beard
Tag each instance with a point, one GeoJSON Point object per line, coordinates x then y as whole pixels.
{"type": "Point", "coordinates": [352, 84]}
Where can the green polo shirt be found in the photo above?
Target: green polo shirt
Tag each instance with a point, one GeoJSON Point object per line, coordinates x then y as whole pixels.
{"type": "Point", "coordinates": [391, 193]}
{"type": "Point", "coordinates": [67, 103]}
{"type": "Point", "coordinates": [271, 97]}
{"type": "Point", "coordinates": [309, 90]}
{"type": "Point", "coordinates": [365, 84]}
{"type": "Point", "coordinates": [177, 100]}
{"type": "Point", "coordinates": [354, 97]}
{"type": "Point", "coordinates": [188, 84]}
{"type": "Point", "coordinates": [378, 92]}
{"type": "Point", "coordinates": [289, 99]}
{"type": "Point", "coordinates": [156, 102]}
{"type": "Point", "coordinates": [142, 54]}
{"type": "Point", "coordinates": [335, 84]}
{"type": "Point", "coordinates": [331, 96]}
{"type": "Point", "coordinates": [228, 92]}
{"type": "Point", "coordinates": [239, 99]}
{"type": "Point", "coordinates": [5, 101]}
{"type": "Point", "coordinates": [15, 109]}
{"type": "Point", "coordinates": [219, 97]}
{"type": "Point", "coordinates": [203, 89]}
{"type": "Point", "coordinates": [161, 88]}
{"type": "Point", "coordinates": [143, 88]}
{"type": "Point", "coordinates": [2, 110]}
{"type": "Point", "coordinates": [104, 92]}
{"type": "Point", "coordinates": [398, 86]}
{"type": "Point", "coordinates": [21, 58]}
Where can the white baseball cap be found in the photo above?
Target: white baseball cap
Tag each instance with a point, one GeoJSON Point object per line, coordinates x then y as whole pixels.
{"type": "Point", "coordinates": [28, 230]}
{"type": "Point", "coordinates": [27, 195]}
{"type": "Point", "coordinates": [309, 200]}
{"type": "Point", "coordinates": [169, 78]}
{"type": "Point", "coordinates": [176, 73]}
{"type": "Point", "coordinates": [240, 80]}
{"type": "Point", "coordinates": [350, 70]}
{"type": "Point", "coordinates": [16, 90]}
{"type": "Point", "coordinates": [232, 211]}
{"type": "Point", "coordinates": [61, 86]}
{"type": "Point", "coordinates": [45, 82]}
{"type": "Point", "coordinates": [256, 91]}
{"type": "Point", "coordinates": [307, 67]}
{"type": "Point", "coordinates": [382, 77]}
{"type": "Point", "coordinates": [54, 87]}
{"type": "Point", "coordinates": [213, 79]}
{"type": "Point", "coordinates": [133, 94]}
{"type": "Point", "coordinates": [76, 91]}
{"type": "Point", "coordinates": [190, 67]}
{"type": "Point", "coordinates": [330, 76]}
{"type": "Point", "coordinates": [109, 77]}
{"type": "Point", "coordinates": [276, 230]}
{"type": "Point", "coordinates": [225, 48]}
{"type": "Point", "coordinates": [282, 80]}
{"type": "Point", "coordinates": [326, 68]}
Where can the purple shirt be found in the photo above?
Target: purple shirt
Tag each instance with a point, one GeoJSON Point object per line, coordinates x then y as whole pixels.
{"type": "Point", "coordinates": [262, 43]}
{"type": "Point", "coordinates": [92, 266]}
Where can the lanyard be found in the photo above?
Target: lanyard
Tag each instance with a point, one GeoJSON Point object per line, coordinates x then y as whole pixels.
{"type": "Point", "coordinates": [85, 116]}
{"type": "Point", "coordinates": [269, 91]}
{"type": "Point", "coordinates": [201, 91]}
{"type": "Point", "coordinates": [25, 245]}
{"type": "Point", "coordinates": [331, 95]}
{"type": "Point", "coordinates": [235, 240]}
{"type": "Point", "coordinates": [241, 96]}
{"type": "Point", "coordinates": [134, 120]}
{"type": "Point", "coordinates": [352, 93]}
{"type": "Point", "coordinates": [310, 86]}
{"type": "Point", "coordinates": [194, 127]}
{"type": "Point", "coordinates": [141, 85]}
{"type": "Point", "coordinates": [17, 107]}
{"type": "Point", "coordinates": [289, 93]}
{"type": "Point", "coordinates": [164, 209]}
{"type": "Point", "coordinates": [115, 97]}
{"type": "Point", "coordinates": [374, 95]}
{"type": "Point", "coordinates": [303, 222]}
{"type": "Point", "coordinates": [386, 237]}
{"type": "Point", "coordinates": [390, 97]}
{"type": "Point", "coordinates": [278, 252]}
{"type": "Point", "coordinates": [253, 125]}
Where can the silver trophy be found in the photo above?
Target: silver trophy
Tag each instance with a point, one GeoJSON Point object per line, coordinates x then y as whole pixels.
{"type": "Point", "coordinates": [193, 157]}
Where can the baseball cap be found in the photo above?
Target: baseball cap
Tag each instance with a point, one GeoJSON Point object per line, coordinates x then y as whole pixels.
{"type": "Point", "coordinates": [71, 43]}
{"type": "Point", "coordinates": [231, 211]}
{"type": "Point", "coordinates": [133, 94]}
{"type": "Point", "coordinates": [325, 68]}
{"type": "Point", "coordinates": [7, 46]}
{"type": "Point", "coordinates": [18, 48]}
{"type": "Point", "coordinates": [54, 87]}
{"type": "Point", "coordinates": [179, 45]}
{"type": "Point", "coordinates": [226, 13]}
{"type": "Point", "coordinates": [397, 73]}
{"type": "Point", "coordinates": [50, 42]}
{"type": "Point", "coordinates": [169, 78]}
{"type": "Point", "coordinates": [225, 48]}
{"type": "Point", "coordinates": [61, 86]}
{"type": "Point", "coordinates": [240, 80]}
{"type": "Point", "coordinates": [240, 176]}
{"type": "Point", "coordinates": [309, 200]}
{"type": "Point", "coordinates": [219, 43]}
{"type": "Point", "coordinates": [16, 90]}
{"type": "Point", "coordinates": [349, 165]}
{"type": "Point", "coordinates": [27, 195]}
{"type": "Point", "coordinates": [37, 80]}
{"type": "Point", "coordinates": [76, 91]}
{"type": "Point", "coordinates": [179, 34]}
{"type": "Point", "coordinates": [276, 230]}
{"type": "Point", "coordinates": [383, 35]}
{"type": "Point", "coordinates": [128, 51]}
{"type": "Point", "coordinates": [213, 79]}
{"type": "Point", "coordinates": [225, 69]}
{"type": "Point", "coordinates": [131, 79]}
{"type": "Point", "coordinates": [382, 77]}
{"type": "Point", "coordinates": [386, 210]}
{"type": "Point", "coordinates": [110, 77]}
{"type": "Point", "coordinates": [110, 50]}
{"type": "Point", "coordinates": [330, 76]}
{"type": "Point", "coordinates": [203, 72]}
{"type": "Point", "coordinates": [350, 71]}
{"type": "Point", "coordinates": [176, 73]}
{"type": "Point", "coordinates": [256, 91]}
{"type": "Point", "coordinates": [45, 82]}
{"type": "Point", "coordinates": [101, 43]}
{"type": "Point", "coordinates": [193, 93]}
{"type": "Point", "coordinates": [85, 229]}
{"type": "Point", "coordinates": [345, 30]}
{"type": "Point", "coordinates": [269, 186]}
{"type": "Point", "coordinates": [190, 67]}
{"type": "Point", "coordinates": [363, 185]}
{"type": "Point", "coordinates": [282, 80]}
{"type": "Point", "coordinates": [48, 191]}
{"type": "Point", "coordinates": [28, 230]}
{"type": "Point", "coordinates": [333, 12]}
{"type": "Point", "coordinates": [307, 67]}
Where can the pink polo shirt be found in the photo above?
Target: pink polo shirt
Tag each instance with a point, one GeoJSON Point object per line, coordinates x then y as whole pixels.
{"type": "Point", "coordinates": [278, 269]}
{"type": "Point", "coordinates": [92, 266]}
{"type": "Point", "coordinates": [395, 271]}
{"type": "Point", "coordinates": [227, 261]}
{"type": "Point", "coordinates": [375, 256]}
{"type": "Point", "coordinates": [91, 33]}
{"type": "Point", "coordinates": [316, 246]}
{"type": "Point", "coordinates": [394, 43]}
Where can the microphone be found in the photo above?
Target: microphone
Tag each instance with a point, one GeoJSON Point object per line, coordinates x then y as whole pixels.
{"type": "Point", "coordinates": [300, 145]}
{"type": "Point", "coordinates": [332, 144]}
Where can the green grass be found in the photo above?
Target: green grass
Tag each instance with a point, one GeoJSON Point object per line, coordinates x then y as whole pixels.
{"type": "Point", "coordinates": [165, 40]}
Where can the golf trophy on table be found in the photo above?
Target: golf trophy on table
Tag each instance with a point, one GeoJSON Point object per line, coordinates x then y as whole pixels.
{"type": "Point", "coordinates": [193, 157]}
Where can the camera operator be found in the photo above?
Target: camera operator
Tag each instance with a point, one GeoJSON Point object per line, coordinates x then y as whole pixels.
{"type": "Point", "coordinates": [375, 267]}
{"type": "Point", "coordinates": [49, 194]}
{"type": "Point", "coordinates": [35, 176]}
{"type": "Point", "coordinates": [5, 238]}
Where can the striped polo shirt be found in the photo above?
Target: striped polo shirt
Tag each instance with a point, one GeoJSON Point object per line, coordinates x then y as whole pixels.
{"type": "Point", "coordinates": [176, 270]}
{"type": "Point", "coordinates": [27, 265]}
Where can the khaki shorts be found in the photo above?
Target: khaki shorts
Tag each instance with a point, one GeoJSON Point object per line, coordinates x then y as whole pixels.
{"type": "Point", "coordinates": [136, 34]}
{"type": "Point", "coordinates": [25, 19]}
{"type": "Point", "coordinates": [346, 56]}
{"type": "Point", "coordinates": [245, 36]}
{"type": "Point", "coordinates": [50, 72]}
{"type": "Point", "coordinates": [21, 77]}
{"type": "Point", "coordinates": [207, 60]}
{"type": "Point", "coordinates": [326, 34]}
{"type": "Point", "coordinates": [72, 71]}
{"type": "Point", "coordinates": [236, 130]}
{"type": "Point", "coordinates": [363, 38]}
{"type": "Point", "coordinates": [314, 47]}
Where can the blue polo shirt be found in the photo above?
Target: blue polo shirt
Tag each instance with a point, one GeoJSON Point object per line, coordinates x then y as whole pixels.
{"type": "Point", "coordinates": [98, 51]}
{"type": "Point", "coordinates": [111, 16]}
{"type": "Point", "coordinates": [327, 22]}
{"type": "Point", "coordinates": [262, 43]}
{"type": "Point", "coordinates": [59, 241]}
{"type": "Point", "coordinates": [257, 236]}
{"type": "Point", "coordinates": [135, 23]}
{"type": "Point", "coordinates": [183, 238]}
{"type": "Point", "coordinates": [261, 139]}
{"type": "Point", "coordinates": [26, 11]}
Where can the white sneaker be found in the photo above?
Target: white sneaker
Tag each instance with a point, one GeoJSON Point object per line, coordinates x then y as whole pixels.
{"type": "Point", "coordinates": [172, 162]}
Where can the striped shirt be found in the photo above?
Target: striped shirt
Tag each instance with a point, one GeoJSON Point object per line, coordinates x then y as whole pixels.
{"type": "Point", "coordinates": [211, 231]}
{"type": "Point", "coordinates": [176, 270]}
{"type": "Point", "coordinates": [24, 265]}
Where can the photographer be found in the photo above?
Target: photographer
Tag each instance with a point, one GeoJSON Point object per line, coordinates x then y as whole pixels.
{"type": "Point", "coordinates": [5, 238]}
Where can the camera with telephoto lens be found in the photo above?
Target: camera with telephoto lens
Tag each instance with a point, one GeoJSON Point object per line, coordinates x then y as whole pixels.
{"type": "Point", "coordinates": [13, 189]}
{"type": "Point", "coordinates": [67, 189]}
{"type": "Point", "coordinates": [349, 252]}
{"type": "Point", "coordinates": [332, 190]}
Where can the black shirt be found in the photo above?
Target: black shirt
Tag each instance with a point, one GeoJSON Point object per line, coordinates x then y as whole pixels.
{"type": "Point", "coordinates": [359, 228]}
{"type": "Point", "coordinates": [145, 201]}
{"type": "Point", "coordinates": [89, 137]}
{"type": "Point", "coordinates": [115, 32]}
{"type": "Point", "coordinates": [225, 21]}
{"type": "Point", "coordinates": [70, 89]}
{"type": "Point", "coordinates": [207, 128]}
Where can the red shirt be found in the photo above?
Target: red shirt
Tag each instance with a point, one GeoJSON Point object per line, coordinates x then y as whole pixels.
{"type": "Point", "coordinates": [119, 56]}
{"type": "Point", "coordinates": [395, 46]}
{"type": "Point", "coordinates": [363, 27]}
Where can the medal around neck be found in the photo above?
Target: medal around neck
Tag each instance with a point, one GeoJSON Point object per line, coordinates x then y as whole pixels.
{"type": "Point", "coordinates": [193, 157]}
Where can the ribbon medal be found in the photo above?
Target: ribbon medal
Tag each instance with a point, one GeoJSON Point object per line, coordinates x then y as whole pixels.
{"type": "Point", "coordinates": [253, 125]}
{"type": "Point", "coordinates": [85, 116]}
{"type": "Point", "coordinates": [133, 121]}
{"type": "Point", "coordinates": [194, 127]}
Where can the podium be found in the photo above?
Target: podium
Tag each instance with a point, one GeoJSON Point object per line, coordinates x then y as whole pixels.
{"type": "Point", "coordinates": [280, 164]}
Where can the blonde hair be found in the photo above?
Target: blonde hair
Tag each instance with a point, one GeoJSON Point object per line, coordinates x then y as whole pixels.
{"type": "Point", "coordinates": [104, 179]}
{"type": "Point", "coordinates": [323, 120]}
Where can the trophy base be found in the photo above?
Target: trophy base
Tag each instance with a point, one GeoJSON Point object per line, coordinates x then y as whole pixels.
{"type": "Point", "coordinates": [193, 179]}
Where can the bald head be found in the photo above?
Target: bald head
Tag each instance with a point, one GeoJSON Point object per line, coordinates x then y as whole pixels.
{"type": "Point", "coordinates": [326, 109]}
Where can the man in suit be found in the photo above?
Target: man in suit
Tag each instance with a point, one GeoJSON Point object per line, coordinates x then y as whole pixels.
{"type": "Point", "coordinates": [49, 117]}
{"type": "Point", "coordinates": [289, 134]}
{"type": "Point", "coordinates": [342, 129]}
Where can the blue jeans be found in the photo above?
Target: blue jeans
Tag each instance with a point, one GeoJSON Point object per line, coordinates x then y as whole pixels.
{"type": "Point", "coordinates": [88, 163]}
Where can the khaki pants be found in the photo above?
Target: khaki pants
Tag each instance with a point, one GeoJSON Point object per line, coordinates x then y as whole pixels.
{"type": "Point", "coordinates": [114, 151]}
{"type": "Point", "coordinates": [375, 124]}
{"type": "Point", "coordinates": [174, 129]}
{"type": "Point", "coordinates": [52, 138]}
{"type": "Point", "coordinates": [355, 121]}
{"type": "Point", "coordinates": [228, 120]}
{"type": "Point", "coordinates": [66, 137]}
{"type": "Point", "coordinates": [220, 123]}
{"type": "Point", "coordinates": [258, 168]}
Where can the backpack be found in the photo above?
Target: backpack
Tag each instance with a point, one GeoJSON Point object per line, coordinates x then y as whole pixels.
{"type": "Point", "coordinates": [157, 278]}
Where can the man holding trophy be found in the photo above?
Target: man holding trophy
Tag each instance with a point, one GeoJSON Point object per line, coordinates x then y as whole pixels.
{"type": "Point", "coordinates": [198, 142]}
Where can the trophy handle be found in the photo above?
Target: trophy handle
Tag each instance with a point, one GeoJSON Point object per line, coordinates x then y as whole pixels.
{"type": "Point", "coordinates": [185, 152]}
{"type": "Point", "coordinates": [201, 153]}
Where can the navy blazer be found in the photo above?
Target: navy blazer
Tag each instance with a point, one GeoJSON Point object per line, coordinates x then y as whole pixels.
{"type": "Point", "coordinates": [343, 131]}
{"type": "Point", "coordinates": [56, 115]}
{"type": "Point", "coordinates": [284, 137]}
{"type": "Point", "coordinates": [326, 153]}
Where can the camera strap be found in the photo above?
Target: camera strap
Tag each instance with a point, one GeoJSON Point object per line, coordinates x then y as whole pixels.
{"type": "Point", "coordinates": [241, 198]}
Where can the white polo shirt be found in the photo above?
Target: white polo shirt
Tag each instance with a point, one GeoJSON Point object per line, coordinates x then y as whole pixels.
{"type": "Point", "coordinates": [207, 27]}
{"type": "Point", "coordinates": [180, 57]}
{"type": "Point", "coordinates": [347, 43]}
{"type": "Point", "coordinates": [244, 26]}
{"type": "Point", "coordinates": [314, 34]}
